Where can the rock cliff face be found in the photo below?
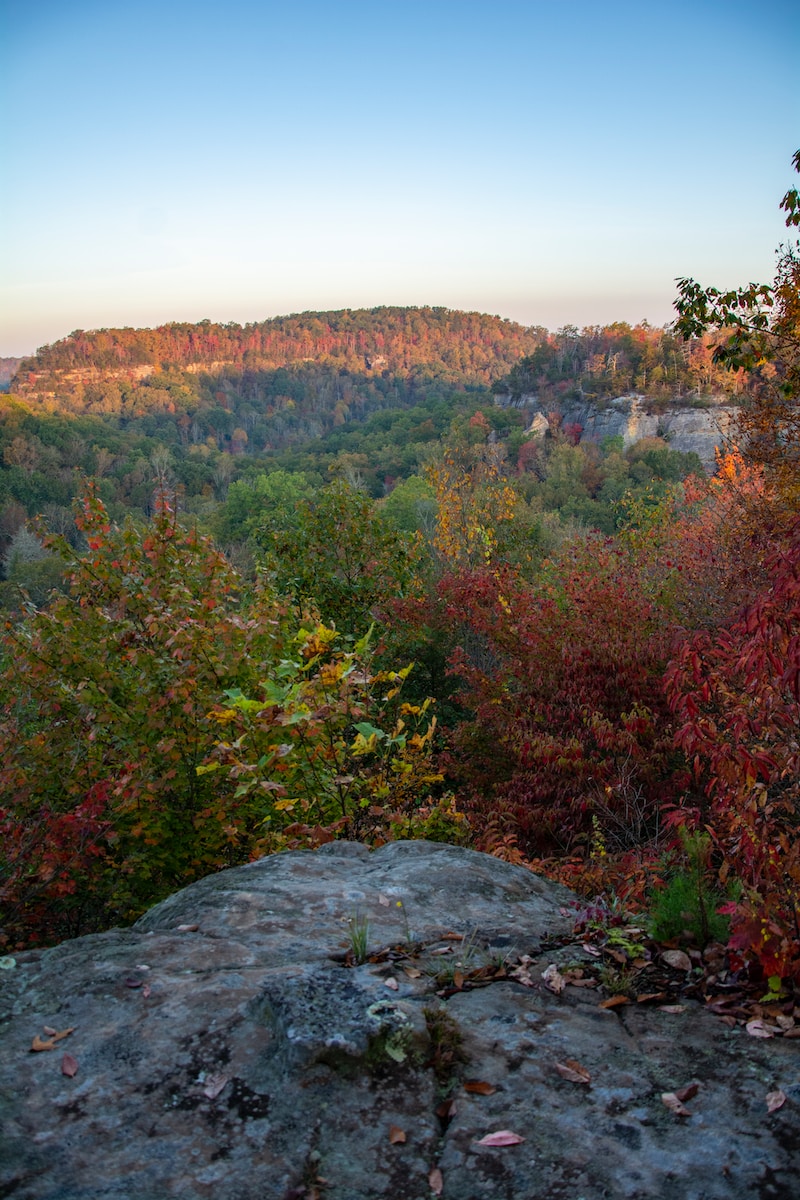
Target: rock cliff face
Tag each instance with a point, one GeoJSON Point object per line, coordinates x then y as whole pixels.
{"type": "Point", "coordinates": [700, 430]}
{"type": "Point", "coordinates": [224, 1048]}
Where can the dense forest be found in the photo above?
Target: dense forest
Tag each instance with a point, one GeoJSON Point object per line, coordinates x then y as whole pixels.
{"type": "Point", "coordinates": [274, 585]}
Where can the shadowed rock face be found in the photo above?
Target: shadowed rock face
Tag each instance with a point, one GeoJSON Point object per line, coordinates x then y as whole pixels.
{"type": "Point", "coordinates": [240, 1058]}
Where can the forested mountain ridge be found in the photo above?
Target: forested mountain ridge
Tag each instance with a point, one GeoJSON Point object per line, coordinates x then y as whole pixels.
{"type": "Point", "coordinates": [473, 346]}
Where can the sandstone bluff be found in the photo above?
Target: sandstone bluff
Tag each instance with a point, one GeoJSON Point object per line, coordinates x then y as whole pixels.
{"type": "Point", "coordinates": [223, 1048]}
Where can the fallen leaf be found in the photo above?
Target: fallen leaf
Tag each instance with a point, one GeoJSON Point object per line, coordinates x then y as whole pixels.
{"type": "Point", "coordinates": [785, 1022]}
{"type": "Point", "coordinates": [479, 1087]}
{"type": "Point", "coordinates": [553, 979]}
{"type": "Point", "coordinates": [650, 997]}
{"type": "Point", "coordinates": [57, 1037]}
{"type": "Point", "coordinates": [435, 1181]}
{"type": "Point", "coordinates": [37, 1044]}
{"type": "Point", "coordinates": [503, 1137]}
{"type": "Point", "coordinates": [775, 1100]}
{"type": "Point", "coordinates": [676, 1106]}
{"type": "Point", "coordinates": [793, 1032]}
{"type": "Point", "coordinates": [590, 949]}
{"type": "Point", "coordinates": [677, 959]}
{"type": "Point", "coordinates": [384, 900]}
{"type": "Point", "coordinates": [573, 1071]}
{"type": "Point", "coordinates": [688, 1092]}
{"type": "Point", "coordinates": [672, 1008]}
{"type": "Point", "coordinates": [69, 1066]}
{"type": "Point", "coordinates": [146, 991]}
{"type": "Point", "coordinates": [48, 1029]}
{"type": "Point", "coordinates": [188, 928]}
{"type": "Point", "coordinates": [614, 1002]}
{"type": "Point", "coordinates": [442, 950]}
{"type": "Point", "coordinates": [214, 1085]}
{"type": "Point", "coordinates": [396, 1135]}
{"type": "Point", "coordinates": [446, 1110]}
{"type": "Point", "coordinates": [458, 980]}
{"type": "Point", "coordinates": [452, 937]}
{"type": "Point", "coordinates": [521, 972]}
{"type": "Point", "coordinates": [412, 972]}
{"type": "Point", "coordinates": [392, 983]}
{"type": "Point", "coordinates": [757, 1028]}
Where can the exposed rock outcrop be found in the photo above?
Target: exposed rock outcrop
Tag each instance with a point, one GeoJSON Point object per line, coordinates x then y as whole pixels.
{"type": "Point", "coordinates": [687, 429]}
{"type": "Point", "coordinates": [223, 1048]}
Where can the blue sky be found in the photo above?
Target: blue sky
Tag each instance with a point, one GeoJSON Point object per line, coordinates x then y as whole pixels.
{"type": "Point", "coordinates": [551, 162]}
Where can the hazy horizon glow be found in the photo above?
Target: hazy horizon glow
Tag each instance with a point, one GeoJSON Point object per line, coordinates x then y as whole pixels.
{"type": "Point", "coordinates": [551, 164]}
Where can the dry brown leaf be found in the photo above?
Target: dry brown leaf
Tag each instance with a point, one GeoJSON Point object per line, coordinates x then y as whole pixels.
{"type": "Point", "coordinates": [686, 1093]}
{"type": "Point", "coordinates": [521, 972]}
{"type": "Point", "coordinates": [775, 1100]}
{"type": "Point", "coordinates": [452, 937]}
{"type": "Point", "coordinates": [553, 979]}
{"type": "Point", "coordinates": [396, 1135]}
{"type": "Point", "coordinates": [442, 950]}
{"type": "Point", "coordinates": [69, 1066]}
{"type": "Point", "coordinates": [479, 1087]}
{"type": "Point", "coordinates": [503, 1137]}
{"type": "Point", "coordinates": [37, 1044]}
{"type": "Point", "coordinates": [458, 980]}
{"type": "Point", "coordinates": [446, 1110]}
{"type": "Point", "coordinates": [677, 959]}
{"type": "Point", "coordinates": [650, 997]}
{"type": "Point", "coordinates": [676, 1106]}
{"type": "Point", "coordinates": [49, 1031]}
{"type": "Point", "coordinates": [188, 928]}
{"type": "Point", "coordinates": [573, 1071]}
{"type": "Point", "coordinates": [412, 972]}
{"type": "Point", "coordinates": [392, 983]}
{"type": "Point", "coordinates": [757, 1028]}
{"type": "Point", "coordinates": [435, 1181]}
{"type": "Point", "coordinates": [672, 1008]}
{"type": "Point", "coordinates": [214, 1084]}
{"type": "Point", "coordinates": [384, 900]}
{"type": "Point", "coordinates": [57, 1037]}
{"type": "Point", "coordinates": [614, 1002]}
{"type": "Point", "coordinates": [590, 949]}
{"type": "Point", "coordinates": [793, 1032]}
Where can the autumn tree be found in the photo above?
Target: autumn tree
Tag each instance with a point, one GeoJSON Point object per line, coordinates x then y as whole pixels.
{"type": "Point", "coordinates": [104, 723]}
{"type": "Point", "coordinates": [760, 332]}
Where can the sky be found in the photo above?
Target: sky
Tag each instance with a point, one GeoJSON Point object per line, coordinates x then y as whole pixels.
{"type": "Point", "coordinates": [554, 163]}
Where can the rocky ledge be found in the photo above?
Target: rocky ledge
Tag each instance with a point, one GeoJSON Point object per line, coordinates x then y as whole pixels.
{"type": "Point", "coordinates": [229, 1046]}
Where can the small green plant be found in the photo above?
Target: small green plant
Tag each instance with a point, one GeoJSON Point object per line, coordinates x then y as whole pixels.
{"type": "Point", "coordinates": [446, 1049]}
{"type": "Point", "coordinates": [617, 981]}
{"type": "Point", "coordinates": [358, 936]}
{"type": "Point", "coordinates": [406, 924]}
{"type": "Point", "coordinates": [689, 902]}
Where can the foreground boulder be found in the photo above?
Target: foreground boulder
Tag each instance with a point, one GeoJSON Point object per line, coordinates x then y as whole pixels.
{"type": "Point", "coordinates": [227, 1047]}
